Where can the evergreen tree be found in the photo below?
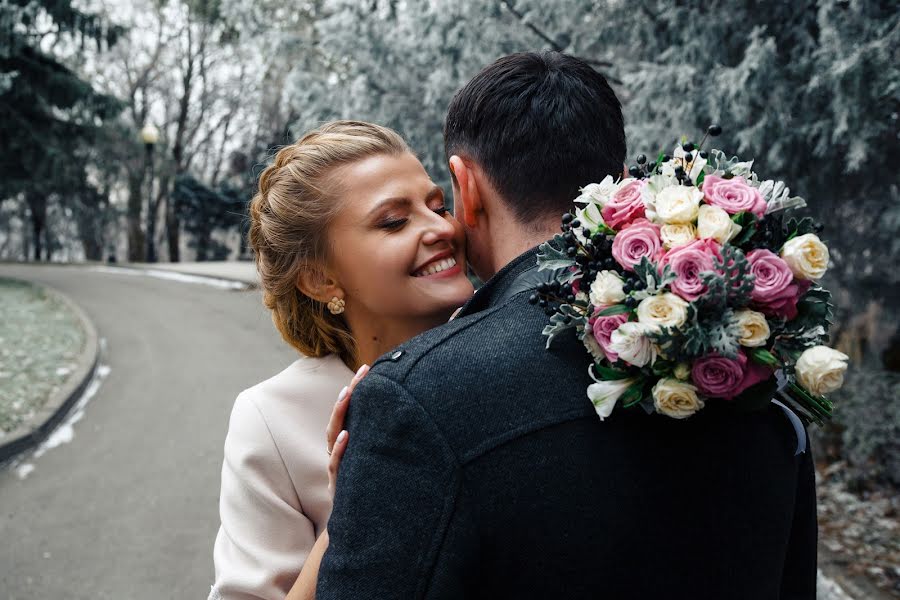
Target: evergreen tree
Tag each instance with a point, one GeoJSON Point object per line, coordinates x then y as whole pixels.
{"type": "Point", "coordinates": [47, 112]}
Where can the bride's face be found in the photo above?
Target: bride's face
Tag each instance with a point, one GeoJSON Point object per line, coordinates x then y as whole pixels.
{"type": "Point", "coordinates": [394, 248]}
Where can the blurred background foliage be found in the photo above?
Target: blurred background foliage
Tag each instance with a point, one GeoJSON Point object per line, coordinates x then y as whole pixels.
{"type": "Point", "coordinates": [810, 89]}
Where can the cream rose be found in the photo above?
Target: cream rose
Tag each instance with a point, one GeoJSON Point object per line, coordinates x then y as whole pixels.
{"type": "Point", "coordinates": [821, 369]}
{"type": "Point", "coordinates": [664, 310]}
{"type": "Point", "coordinates": [713, 222]}
{"type": "Point", "coordinates": [678, 204]}
{"type": "Point", "coordinates": [806, 255]}
{"type": "Point", "coordinates": [631, 344]}
{"type": "Point", "coordinates": [754, 328]}
{"type": "Point", "coordinates": [677, 234]}
{"type": "Point", "coordinates": [676, 399]}
{"type": "Point", "coordinates": [607, 289]}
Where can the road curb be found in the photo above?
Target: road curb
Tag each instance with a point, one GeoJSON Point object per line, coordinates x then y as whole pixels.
{"type": "Point", "coordinates": [42, 424]}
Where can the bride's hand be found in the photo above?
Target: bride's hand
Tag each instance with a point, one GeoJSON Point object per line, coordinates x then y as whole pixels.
{"type": "Point", "coordinates": [335, 434]}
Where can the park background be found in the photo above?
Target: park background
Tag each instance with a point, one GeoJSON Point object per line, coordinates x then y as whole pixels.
{"type": "Point", "coordinates": [133, 132]}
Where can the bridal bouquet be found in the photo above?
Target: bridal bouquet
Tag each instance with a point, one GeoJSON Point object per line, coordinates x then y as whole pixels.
{"type": "Point", "coordinates": [687, 285]}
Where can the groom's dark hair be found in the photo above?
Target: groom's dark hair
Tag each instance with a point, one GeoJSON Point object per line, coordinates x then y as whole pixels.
{"type": "Point", "coordinates": [540, 125]}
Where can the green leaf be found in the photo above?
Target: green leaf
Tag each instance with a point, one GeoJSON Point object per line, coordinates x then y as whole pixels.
{"type": "Point", "coordinates": [615, 309]}
{"type": "Point", "coordinates": [558, 322]}
{"type": "Point", "coordinates": [764, 357]}
{"type": "Point", "coordinates": [610, 374]}
{"type": "Point", "coordinates": [632, 395]}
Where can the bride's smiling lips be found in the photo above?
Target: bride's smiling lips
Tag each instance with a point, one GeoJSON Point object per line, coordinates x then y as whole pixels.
{"type": "Point", "coordinates": [441, 265]}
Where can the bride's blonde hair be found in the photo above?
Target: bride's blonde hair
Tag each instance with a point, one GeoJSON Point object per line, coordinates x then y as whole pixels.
{"type": "Point", "coordinates": [289, 218]}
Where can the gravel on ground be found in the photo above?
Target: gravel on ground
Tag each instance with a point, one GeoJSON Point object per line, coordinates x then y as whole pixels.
{"type": "Point", "coordinates": [40, 342]}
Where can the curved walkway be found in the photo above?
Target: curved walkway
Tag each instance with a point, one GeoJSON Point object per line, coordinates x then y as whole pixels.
{"type": "Point", "coordinates": [128, 508]}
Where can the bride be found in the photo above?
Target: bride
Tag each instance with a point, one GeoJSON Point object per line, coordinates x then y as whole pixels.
{"type": "Point", "coordinates": [356, 253]}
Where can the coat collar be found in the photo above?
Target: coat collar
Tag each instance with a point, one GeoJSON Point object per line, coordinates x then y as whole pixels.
{"type": "Point", "coordinates": [504, 284]}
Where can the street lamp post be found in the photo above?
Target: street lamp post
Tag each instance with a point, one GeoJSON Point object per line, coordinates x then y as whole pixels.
{"type": "Point", "coordinates": [150, 135]}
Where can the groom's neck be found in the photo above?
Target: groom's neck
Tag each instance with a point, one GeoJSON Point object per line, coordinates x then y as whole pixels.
{"type": "Point", "coordinates": [511, 238]}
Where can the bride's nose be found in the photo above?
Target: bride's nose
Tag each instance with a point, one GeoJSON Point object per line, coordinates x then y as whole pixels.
{"type": "Point", "coordinates": [438, 229]}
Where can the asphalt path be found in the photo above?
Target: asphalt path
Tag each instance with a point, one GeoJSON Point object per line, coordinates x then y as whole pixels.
{"type": "Point", "coordinates": [129, 508]}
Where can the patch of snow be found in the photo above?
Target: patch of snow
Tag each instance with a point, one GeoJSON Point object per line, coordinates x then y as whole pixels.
{"type": "Point", "coordinates": [24, 470]}
{"type": "Point", "coordinates": [65, 431]}
{"type": "Point", "coordinates": [225, 284]}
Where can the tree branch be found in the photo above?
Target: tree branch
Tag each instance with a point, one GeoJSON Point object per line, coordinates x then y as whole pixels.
{"type": "Point", "coordinates": [552, 43]}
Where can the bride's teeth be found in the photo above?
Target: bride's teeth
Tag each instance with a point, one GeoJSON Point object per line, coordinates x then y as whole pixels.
{"type": "Point", "coordinates": [441, 265]}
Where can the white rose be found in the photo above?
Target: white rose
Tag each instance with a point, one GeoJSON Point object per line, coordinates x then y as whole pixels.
{"type": "Point", "coordinates": [820, 369]}
{"type": "Point", "coordinates": [678, 204]}
{"type": "Point", "coordinates": [630, 342]}
{"type": "Point", "coordinates": [806, 255]}
{"type": "Point", "coordinates": [677, 234]}
{"type": "Point", "coordinates": [713, 222]}
{"type": "Point", "coordinates": [676, 399]}
{"type": "Point", "coordinates": [607, 289]}
{"type": "Point", "coordinates": [604, 394]}
{"type": "Point", "coordinates": [599, 193]}
{"type": "Point", "coordinates": [754, 328]}
{"type": "Point", "coordinates": [664, 310]}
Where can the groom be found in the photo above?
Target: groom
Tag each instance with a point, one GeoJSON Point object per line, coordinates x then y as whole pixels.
{"type": "Point", "coordinates": [477, 467]}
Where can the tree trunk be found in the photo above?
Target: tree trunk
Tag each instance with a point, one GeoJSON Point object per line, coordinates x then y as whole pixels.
{"type": "Point", "coordinates": [37, 206]}
{"type": "Point", "coordinates": [136, 240]}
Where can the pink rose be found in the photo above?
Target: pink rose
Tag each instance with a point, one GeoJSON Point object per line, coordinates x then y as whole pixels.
{"type": "Point", "coordinates": [636, 241]}
{"type": "Point", "coordinates": [687, 263]}
{"type": "Point", "coordinates": [775, 291]}
{"type": "Point", "coordinates": [733, 195]}
{"type": "Point", "coordinates": [720, 377]}
{"type": "Point", "coordinates": [625, 206]}
{"type": "Point", "coordinates": [603, 328]}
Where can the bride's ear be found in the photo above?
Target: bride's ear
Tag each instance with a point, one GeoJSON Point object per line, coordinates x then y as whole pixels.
{"type": "Point", "coordinates": [469, 195]}
{"type": "Point", "coordinates": [318, 284]}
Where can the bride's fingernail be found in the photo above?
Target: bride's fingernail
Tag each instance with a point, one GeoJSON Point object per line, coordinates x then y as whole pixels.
{"type": "Point", "coordinates": [362, 370]}
{"type": "Point", "coordinates": [341, 437]}
{"type": "Point", "coordinates": [343, 395]}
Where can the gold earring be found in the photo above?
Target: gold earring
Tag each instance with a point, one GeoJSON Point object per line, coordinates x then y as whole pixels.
{"type": "Point", "coordinates": [336, 305]}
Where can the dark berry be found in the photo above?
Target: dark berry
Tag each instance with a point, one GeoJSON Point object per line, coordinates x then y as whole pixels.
{"type": "Point", "coordinates": [567, 218]}
{"type": "Point", "coordinates": [634, 171]}
{"type": "Point", "coordinates": [641, 159]}
{"type": "Point", "coordinates": [533, 299]}
{"type": "Point", "coordinates": [542, 303]}
{"type": "Point", "coordinates": [554, 286]}
{"type": "Point", "coordinates": [688, 157]}
{"type": "Point", "coordinates": [714, 130]}
{"type": "Point", "coordinates": [704, 154]}
{"type": "Point", "coordinates": [586, 232]}
{"type": "Point", "coordinates": [570, 298]}
{"type": "Point", "coordinates": [543, 288]}
{"type": "Point", "coordinates": [688, 147]}
{"type": "Point", "coordinates": [549, 311]}
{"type": "Point", "coordinates": [575, 224]}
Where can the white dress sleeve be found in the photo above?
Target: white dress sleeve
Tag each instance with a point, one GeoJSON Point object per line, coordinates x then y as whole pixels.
{"type": "Point", "coordinates": [264, 537]}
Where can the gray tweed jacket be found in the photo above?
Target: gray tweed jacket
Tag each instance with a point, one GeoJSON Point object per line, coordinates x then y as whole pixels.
{"type": "Point", "coordinates": [477, 468]}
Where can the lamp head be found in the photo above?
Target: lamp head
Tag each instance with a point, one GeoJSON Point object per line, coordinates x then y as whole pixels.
{"type": "Point", "coordinates": [149, 134]}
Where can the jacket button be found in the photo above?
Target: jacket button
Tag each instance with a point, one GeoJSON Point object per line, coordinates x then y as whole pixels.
{"type": "Point", "coordinates": [396, 354]}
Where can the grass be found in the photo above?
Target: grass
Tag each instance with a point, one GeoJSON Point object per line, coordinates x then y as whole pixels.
{"type": "Point", "coordinates": [40, 342]}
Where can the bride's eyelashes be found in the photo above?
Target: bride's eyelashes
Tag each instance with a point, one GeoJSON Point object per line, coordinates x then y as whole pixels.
{"type": "Point", "coordinates": [393, 223]}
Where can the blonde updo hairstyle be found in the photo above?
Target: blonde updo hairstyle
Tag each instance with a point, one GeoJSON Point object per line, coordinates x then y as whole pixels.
{"type": "Point", "coordinates": [289, 217]}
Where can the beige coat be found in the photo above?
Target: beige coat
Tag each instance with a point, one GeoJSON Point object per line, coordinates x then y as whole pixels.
{"type": "Point", "coordinates": [275, 501]}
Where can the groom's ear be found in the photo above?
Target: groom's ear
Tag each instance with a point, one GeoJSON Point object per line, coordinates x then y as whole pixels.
{"type": "Point", "coordinates": [318, 285]}
{"type": "Point", "coordinates": [469, 195]}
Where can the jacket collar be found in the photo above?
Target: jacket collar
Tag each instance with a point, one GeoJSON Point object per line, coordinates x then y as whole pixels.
{"type": "Point", "coordinates": [504, 284]}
